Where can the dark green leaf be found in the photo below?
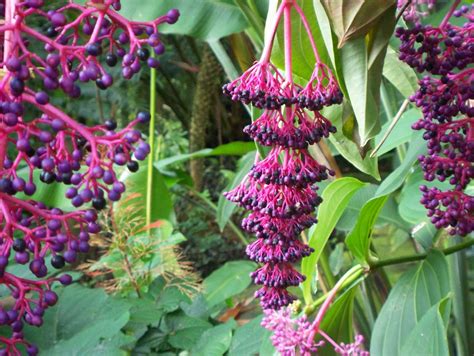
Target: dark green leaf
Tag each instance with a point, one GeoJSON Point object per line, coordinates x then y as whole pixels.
{"type": "Point", "coordinates": [80, 320]}
{"type": "Point", "coordinates": [410, 299]}
{"type": "Point", "coordinates": [215, 341]}
{"type": "Point", "coordinates": [335, 199]}
{"type": "Point", "coordinates": [228, 281]}
{"type": "Point", "coordinates": [248, 338]}
{"type": "Point", "coordinates": [183, 331]}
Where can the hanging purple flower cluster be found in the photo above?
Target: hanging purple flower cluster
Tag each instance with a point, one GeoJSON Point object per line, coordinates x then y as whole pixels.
{"type": "Point", "coordinates": [415, 9]}
{"type": "Point", "coordinates": [446, 99]}
{"type": "Point", "coordinates": [35, 135]}
{"type": "Point", "coordinates": [280, 190]}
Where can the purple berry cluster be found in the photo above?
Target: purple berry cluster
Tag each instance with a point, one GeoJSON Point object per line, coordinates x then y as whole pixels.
{"type": "Point", "coordinates": [415, 9]}
{"type": "Point", "coordinates": [280, 190]}
{"type": "Point", "coordinates": [37, 136]}
{"type": "Point", "coordinates": [445, 97]}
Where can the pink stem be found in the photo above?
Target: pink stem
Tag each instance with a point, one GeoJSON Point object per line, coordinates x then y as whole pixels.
{"type": "Point", "coordinates": [288, 42]}
{"type": "Point", "coordinates": [308, 31]}
{"type": "Point", "coordinates": [267, 51]}
{"type": "Point", "coordinates": [449, 14]}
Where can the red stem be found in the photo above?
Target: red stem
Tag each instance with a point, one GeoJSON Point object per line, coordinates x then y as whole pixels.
{"type": "Point", "coordinates": [449, 14]}
{"type": "Point", "coordinates": [267, 51]}
{"type": "Point", "coordinates": [288, 42]}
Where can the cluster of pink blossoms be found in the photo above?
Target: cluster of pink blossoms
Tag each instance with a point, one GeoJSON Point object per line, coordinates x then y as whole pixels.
{"type": "Point", "coordinates": [293, 337]}
{"type": "Point", "coordinates": [280, 190]}
{"type": "Point", "coordinates": [35, 135]}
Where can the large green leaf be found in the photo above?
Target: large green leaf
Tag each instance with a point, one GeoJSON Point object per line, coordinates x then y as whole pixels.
{"type": "Point", "coordinates": [353, 18]}
{"type": "Point", "coordinates": [388, 215]}
{"type": "Point", "coordinates": [337, 322]}
{"type": "Point", "coordinates": [429, 335]}
{"type": "Point", "coordinates": [225, 208]}
{"type": "Point", "coordinates": [401, 133]}
{"type": "Point", "coordinates": [203, 19]}
{"type": "Point", "coordinates": [183, 331]}
{"type": "Point", "coordinates": [248, 338]}
{"type": "Point", "coordinates": [398, 176]}
{"type": "Point", "coordinates": [400, 75]}
{"type": "Point", "coordinates": [335, 199]}
{"type": "Point", "coordinates": [410, 299]}
{"type": "Point", "coordinates": [215, 341]}
{"type": "Point", "coordinates": [82, 318]}
{"type": "Point", "coordinates": [228, 281]}
{"type": "Point", "coordinates": [162, 204]}
{"type": "Point", "coordinates": [358, 240]}
{"type": "Point", "coordinates": [345, 146]}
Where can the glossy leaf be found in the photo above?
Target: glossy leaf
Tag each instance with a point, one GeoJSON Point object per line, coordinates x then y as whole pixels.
{"type": "Point", "coordinates": [228, 281]}
{"type": "Point", "coordinates": [335, 199]}
{"type": "Point", "coordinates": [429, 335]}
{"type": "Point", "coordinates": [353, 18]}
{"type": "Point", "coordinates": [203, 19]}
{"type": "Point", "coordinates": [79, 321]}
{"type": "Point", "coordinates": [358, 240]}
{"type": "Point", "coordinates": [226, 208]}
{"type": "Point", "coordinates": [411, 298]}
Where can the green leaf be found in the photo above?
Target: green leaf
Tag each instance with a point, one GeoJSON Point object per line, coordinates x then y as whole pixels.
{"type": "Point", "coordinates": [347, 148]}
{"type": "Point", "coordinates": [358, 240]}
{"type": "Point", "coordinates": [401, 133]}
{"type": "Point", "coordinates": [226, 208]}
{"type": "Point", "coordinates": [162, 207]}
{"type": "Point", "coordinates": [355, 71]}
{"type": "Point", "coordinates": [400, 75]}
{"type": "Point", "coordinates": [248, 338]}
{"type": "Point", "coordinates": [214, 342]}
{"type": "Point", "coordinates": [388, 215]}
{"type": "Point", "coordinates": [80, 320]}
{"type": "Point", "coordinates": [397, 177]}
{"type": "Point", "coordinates": [335, 199]}
{"type": "Point", "coordinates": [410, 208]}
{"type": "Point", "coordinates": [429, 335]}
{"type": "Point", "coordinates": [237, 148]}
{"type": "Point", "coordinates": [183, 331]}
{"type": "Point", "coordinates": [337, 322]}
{"type": "Point", "coordinates": [411, 298]}
{"type": "Point", "coordinates": [229, 280]}
{"type": "Point", "coordinates": [203, 19]}
{"type": "Point", "coordinates": [353, 18]}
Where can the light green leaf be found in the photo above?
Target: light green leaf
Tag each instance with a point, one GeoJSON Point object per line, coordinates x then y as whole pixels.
{"type": "Point", "coordinates": [229, 280]}
{"type": "Point", "coordinates": [411, 298]}
{"type": "Point", "coordinates": [402, 77]}
{"type": "Point", "coordinates": [335, 199]}
{"type": "Point", "coordinates": [203, 19]}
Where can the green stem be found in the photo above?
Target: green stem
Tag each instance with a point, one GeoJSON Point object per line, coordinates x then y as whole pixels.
{"type": "Point", "coordinates": [330, 280]}
{"type": "Point", "coordinates": [346, 280]}
{"type": "Point", "coordinates": [151, 138]}
{"type": "Point", "coordinates": [413, 258]}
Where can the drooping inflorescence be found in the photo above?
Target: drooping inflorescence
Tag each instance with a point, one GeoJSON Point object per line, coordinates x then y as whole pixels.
{"type": "Point", "coordinates": [74, 45]}
{"type": "Point", "coordinates": [446, 97]}
{"type": "Point", "coordinates": [280, 190]}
